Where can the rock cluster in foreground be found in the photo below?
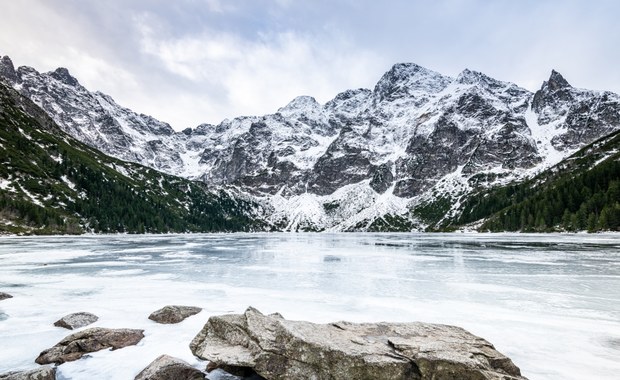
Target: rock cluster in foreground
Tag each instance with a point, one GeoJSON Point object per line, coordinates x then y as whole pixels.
{"type": "Point", "coordinates": [256, 346]}
{"type": "Point", "coordinates": [276, 349]}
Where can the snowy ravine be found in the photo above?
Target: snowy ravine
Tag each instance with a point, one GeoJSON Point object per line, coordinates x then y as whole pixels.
{"type": "Point", "coordinates": [364, 158]}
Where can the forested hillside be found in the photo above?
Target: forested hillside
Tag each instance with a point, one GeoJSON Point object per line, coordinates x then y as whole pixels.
{"type": "Point", "coordinates": [51, 183]}
{"type": "Point", "coordinates": [581, 193]}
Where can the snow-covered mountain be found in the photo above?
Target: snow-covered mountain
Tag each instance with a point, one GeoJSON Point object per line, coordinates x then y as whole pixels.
{"type": "Point", "coordinates": [365, 159]}
{"type": "Point", "coordinates": [95, 119]}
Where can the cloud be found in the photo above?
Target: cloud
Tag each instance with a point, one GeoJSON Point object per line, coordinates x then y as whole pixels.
{"type": "Point", "coordinates": [254, 76]}
{"type": "Point", "coordinates": [193, 61]}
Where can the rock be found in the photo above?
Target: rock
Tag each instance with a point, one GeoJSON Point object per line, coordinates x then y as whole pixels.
{"type": "Point", "coordinates": [94, 339]}
{"type": "Point", "coordinates": [44, 373]}
{"type": "Point", "coordinates": [168, 368]}
{"type": "Point", "coordinates": [280, 349]}
{"type": "Point", "coordinates": [173, 313]}
{"type": "Point", "coordinates": [382, 179]}
{"type": "Point", "coordinates": [76, 320]}
{"type": "Point", "coordinates": [4, 296]}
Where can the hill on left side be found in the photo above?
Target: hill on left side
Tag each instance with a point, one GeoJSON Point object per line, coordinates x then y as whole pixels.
{"type": "Point", "coordinates": [50, 183]}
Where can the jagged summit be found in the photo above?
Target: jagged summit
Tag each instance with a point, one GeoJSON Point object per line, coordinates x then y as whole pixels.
{"type": "Point", "coordinates": [7, 70]}
{"type": "Point", "coordinates": [6, 61]}
{"type": "Point", "coordinates": [63, 75]}
{"type": "Point", "coordinates": [300, 104]}
{"type": "Point", "coordinates": [556, 81]}
{"type": "Point", "coordinates": [405, 79]}
{"type": "Point", "coordinates": [468, 76]}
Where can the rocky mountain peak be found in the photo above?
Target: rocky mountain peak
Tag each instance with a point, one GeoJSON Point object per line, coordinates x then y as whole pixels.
{"type": "Point", "coordinates": [556, 81]}
{"type": "Point", "coordinates": [468, 76]}
{"type": "Point", "coordinates": [62, 74]}
{"type": "Point", "coordinates": [7, 70]}
{"type": "Point", "coordinates": [555, 92]}
{"type": "Point", "coordinates": [301, 105]}
{"type": "Point", "coordinates": [407, 79]}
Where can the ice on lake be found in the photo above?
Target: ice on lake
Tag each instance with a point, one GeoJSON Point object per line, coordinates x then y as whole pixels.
{"type": "Point", "coordinates": [549, 302]}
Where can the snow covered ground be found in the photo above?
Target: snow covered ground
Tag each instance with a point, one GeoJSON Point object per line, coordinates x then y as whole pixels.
{"type": "Point", "coordinates": [550, 302]}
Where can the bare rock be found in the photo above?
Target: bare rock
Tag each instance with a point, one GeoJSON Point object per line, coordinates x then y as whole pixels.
{"type": "Point", "coordinates": [4, 296]}
{"type": "Point", "coordinates": [173, 313]}
{"type": "Point", "coordinates": [76, 320]}
{"type": "Point", "coordinates": [94, 339]}
{"type": "Point", "coordinates": [169, 368]}
{"type": "Point", "coordinates": [277, 348]}
{"type": "Point", "coordinates": [43, 373]}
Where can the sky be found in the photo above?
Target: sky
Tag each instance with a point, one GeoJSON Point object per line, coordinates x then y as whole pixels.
{"type": "Point", "coordinates": [189, 62]}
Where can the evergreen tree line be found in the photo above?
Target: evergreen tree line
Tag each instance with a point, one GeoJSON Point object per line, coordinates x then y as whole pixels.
{"type": "Point", "coordinates": [588, 200]}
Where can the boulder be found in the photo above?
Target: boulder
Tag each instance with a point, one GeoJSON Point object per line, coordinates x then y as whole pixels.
{"type": "Point", "coordinates": [76, 320]}
{"type": "Point", "coordinates": [169, 368]}
{"type": "Point", "coordinates": [277, 348]}
{"type": "Point", "coordinates": [4, 296]}
{"type": "Point", "coordinates": [173, 313]}
{"type": "Point", "coordinates": [43, 373]}
{"type": "Point", "coordinates": [94, 339]}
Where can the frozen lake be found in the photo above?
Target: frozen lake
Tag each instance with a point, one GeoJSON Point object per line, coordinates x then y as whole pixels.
{"type": "Point", "coordinates": [549, 302]}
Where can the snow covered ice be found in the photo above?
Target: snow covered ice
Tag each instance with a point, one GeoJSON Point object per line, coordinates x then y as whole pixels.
{"type": "Point", "coordinates": [549, 302]}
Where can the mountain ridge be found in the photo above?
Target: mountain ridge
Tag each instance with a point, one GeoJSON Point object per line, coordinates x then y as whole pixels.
{"type": "Point", "coordinates": [363, 155]}
{"type": "Point", "coordinates": [50, 183]}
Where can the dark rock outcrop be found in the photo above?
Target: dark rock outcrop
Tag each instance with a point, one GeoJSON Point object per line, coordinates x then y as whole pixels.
{"type": "Point", "coordinates": [382, 178]}
{"type": "Point", "coordinates": [4, 296]}
{"type": "Point", "coordinates": [169, 368]}
{"type": "Point", "coordinates": [76, 345]}
{"type": "Point", "coordinates": [43, 373]}
{"type": "Point", "coordinates": [173, 313]}
{"type": "Point", "coordinates": [76, 320]}
{"type": "Point", "coordinates": [280, 349]}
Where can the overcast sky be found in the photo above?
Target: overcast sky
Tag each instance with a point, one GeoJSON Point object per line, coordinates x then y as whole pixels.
{"type": "Point", "coordinates": [193, 61]}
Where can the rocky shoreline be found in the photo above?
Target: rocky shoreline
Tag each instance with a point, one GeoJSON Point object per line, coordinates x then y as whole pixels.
{"type": "Point", "coordinates": [257, 346]}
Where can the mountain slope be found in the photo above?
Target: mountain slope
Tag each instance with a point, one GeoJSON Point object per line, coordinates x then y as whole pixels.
{"type": "Point", "coordinates": [96, 120]}
{"type": "Point", "coordinates": [399, 156]}
{"type": "Point", "coordinates": [582, 192]}
{"type": "Point", "coordinates": [51, 183]}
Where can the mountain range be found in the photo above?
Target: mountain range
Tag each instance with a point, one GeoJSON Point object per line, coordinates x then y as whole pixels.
{"type": "Point", "coordinates": [409, 154]}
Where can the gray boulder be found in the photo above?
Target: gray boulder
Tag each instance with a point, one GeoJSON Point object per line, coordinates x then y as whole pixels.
{"type": "Point", "coordinates": [76, 320]}
{"type": "Point", "coordinates": [94, 339]}
{"type": "Point", "coordinates": [173, 313]}
{"type": "Point", "coordinates": [4, 296]}
{"type": "Point", "coordinates": [169, 368]}
{"type": "Point", "coordinates": [43, 373]}
{"type": "Point", "coordinates": [280, 349]}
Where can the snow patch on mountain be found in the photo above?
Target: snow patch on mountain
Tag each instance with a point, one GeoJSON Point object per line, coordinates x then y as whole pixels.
{"type": "Point", "coordinates": [542, 136]}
